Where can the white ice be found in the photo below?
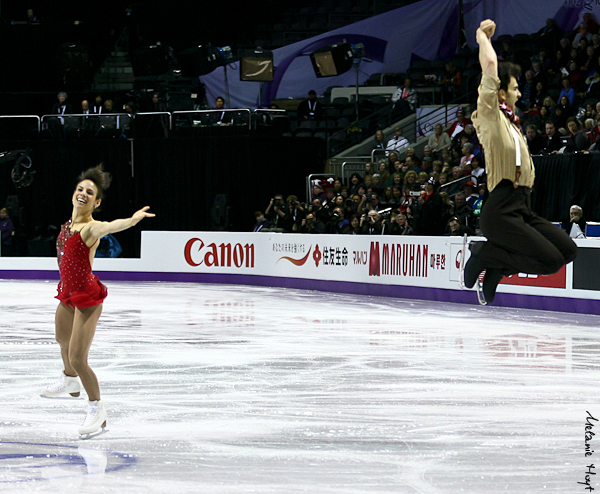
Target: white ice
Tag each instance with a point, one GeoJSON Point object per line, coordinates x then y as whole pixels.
{"type": "Point", "coordinates": [234, 389]}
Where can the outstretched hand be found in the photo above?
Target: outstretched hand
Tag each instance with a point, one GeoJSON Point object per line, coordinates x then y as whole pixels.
{"type": "Point", "coordinates": [141, 214]}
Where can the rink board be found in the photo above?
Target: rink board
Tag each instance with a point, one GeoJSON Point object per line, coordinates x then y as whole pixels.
{"type": "Point", "coordinates": [392, 266]}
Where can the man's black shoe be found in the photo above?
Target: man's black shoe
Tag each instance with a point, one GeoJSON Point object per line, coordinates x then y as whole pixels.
{"type": "Point", "coordinates": [492, 278]}
{"type": "Point", "coordinates": [474, 266]}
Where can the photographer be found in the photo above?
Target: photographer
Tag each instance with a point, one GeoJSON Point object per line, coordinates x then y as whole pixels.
{"type": "Point", "coordinates": [294, 215]}
{"type": "Point", "coordinates": [276, 211]}
{"type": "Point", "coordinates": [312, 225]}
{"type": "Point", "coordinates": [337, 223]}
{"type": "Point", "coordinates": [320, 211]}
{"type": "Point", "coordinates": [399, 225]}
{"type": "Point", "coordinates": [371, 223]}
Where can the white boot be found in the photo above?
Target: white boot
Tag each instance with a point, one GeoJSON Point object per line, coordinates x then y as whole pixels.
{"type": "Point", "coordinates": [95, 419]}
{"type": "Point", "coordinates": [65, 385]}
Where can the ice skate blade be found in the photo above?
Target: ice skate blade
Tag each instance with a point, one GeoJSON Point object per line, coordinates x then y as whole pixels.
{"type": "Point", "coordinates": [63, 397]}
{"type": "Point", "coordinates": [461, 269]}
{"type": "Point", "coordinates": [480, 296]}
{"type": "Point", "coordinates": [91, 435]}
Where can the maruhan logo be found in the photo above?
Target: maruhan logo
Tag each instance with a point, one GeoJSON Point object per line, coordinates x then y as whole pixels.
{"type": "Point", "coordinates": [398, 260]}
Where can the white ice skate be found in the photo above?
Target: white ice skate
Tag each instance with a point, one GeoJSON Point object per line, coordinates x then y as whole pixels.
{"type": "Point", "coordinates": [63, 387]}
{"type": "Point", "coordinates": [95, 420]}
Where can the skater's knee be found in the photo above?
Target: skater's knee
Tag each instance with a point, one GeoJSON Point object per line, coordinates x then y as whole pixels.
{"type": "Point", "coordinates": [553, 263]}
{"type": "Point", "coordinates": [78, 362]}
{"type": "Point", "coordinates": [570, 253]}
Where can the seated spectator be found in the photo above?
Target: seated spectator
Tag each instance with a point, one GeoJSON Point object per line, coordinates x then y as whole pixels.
{"type": "Point", "coordinates": [218, 117]}
{"type": "Point", "coordinates": [591, 88]}
{"type": "Point", "coordinates": [527, 88]}
{"type": "Point", "coordinates": [452, 81]}
{"type": "Point", "coordinates": [427, 165]}
{"type": "Point", "coordinates": [467, 153]}
{"type": "Point", "coordinates": [410, 181]}
{"type": "Point", "coordinates": [478, 169]}
{"type": "Point", "coordinates": [404, 99]}
{"type": "Point", "coordinates": [575, 226]}
{"type": "Point", "coordinates": [468, 189]}
{"type": "Point", "coordinates": [354, 228]}
{"type": "Point", "coordinates": [567, 91]}
{"type": "Point", "coordinates": [582, 32]}
{"type": "Point", "coordinates": [398, 142]}
{"type": "Point", "coordinates": [317, 193]}
{"type": "Point", "coordinates": [439, 140]}
{"type": "Point", "coordinates": [595, 131]}
{"type": "Point", "coordinates": [550, 34]}
{"type": "Point", "coordinates": [456, 228]}
{"type": "Point", "coordinates": [62, 107]}
{"type": "Point", "coordinates": [577, 138]}
{"type": "Point", "coordinates": [410, 164]}
{"type": "Point", "coordinates": [377, 185]}
{"type": "Point", "coordinates": [560, 122]}
{"type": "Point", "coordinates": [410, 153]}
{"type": "Point", "coordinates": [392, 158]}
{"type": "Point", "coordinates": [535, 142]}
{"type": "Point", "coordinates": [369, 168]}
{"type": "Point", "coordinates": [261, 222]}
{"type": "Point", "coordinates": [552, 142]}
{"type": "Point", "coordinates": [461, 122]}
{"type": "Point", "coordinates": [355, 182]}
{"type": "Point", "coordinates": [387, 198]}
{"type": "Point", "coordinates": [383, 171]}
{"type": "Point", "coordinates": [378, 140]}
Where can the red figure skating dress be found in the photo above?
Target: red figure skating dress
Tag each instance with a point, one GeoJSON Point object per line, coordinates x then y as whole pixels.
{"type": "Point", "coordinates": [78, 286]}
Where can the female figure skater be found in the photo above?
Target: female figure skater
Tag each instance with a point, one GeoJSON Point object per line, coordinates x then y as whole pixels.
{"type": "Point", "coordinates": [518, 240]}
{"type": "Point", "coordinates": [81, 293]}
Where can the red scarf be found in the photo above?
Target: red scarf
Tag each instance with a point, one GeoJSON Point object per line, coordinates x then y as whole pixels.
{"type": "Point", "coordinates": [509, 113]}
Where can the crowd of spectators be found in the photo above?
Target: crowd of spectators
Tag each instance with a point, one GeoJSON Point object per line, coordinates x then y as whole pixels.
{"type": "Point", "coordinates": [436, 192]}
{"type": "Point", "coordinates": [440, 190]}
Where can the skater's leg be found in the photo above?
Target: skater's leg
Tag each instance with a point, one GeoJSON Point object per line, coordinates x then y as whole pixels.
{"type": "Point", "coordinates": [515, 245]}
{"type": "Point", "coordinates": [84, 328]}
{"type": "Point", "coordinates": [64, 327]}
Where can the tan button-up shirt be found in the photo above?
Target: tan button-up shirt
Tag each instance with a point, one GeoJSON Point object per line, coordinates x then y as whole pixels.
{"type": "Point", "coordinates": [494, 132]}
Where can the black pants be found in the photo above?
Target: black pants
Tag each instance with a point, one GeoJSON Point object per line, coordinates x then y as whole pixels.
{"type": "Point", "coordinates": [519, 241]}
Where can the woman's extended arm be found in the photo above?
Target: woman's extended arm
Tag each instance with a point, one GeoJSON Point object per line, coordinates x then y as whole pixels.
{"type": "Point", "coordinates": [98, 229]}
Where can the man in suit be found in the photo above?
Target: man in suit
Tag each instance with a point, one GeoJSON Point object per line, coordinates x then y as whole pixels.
{"type": "Point", "coordinates": [552, 142]}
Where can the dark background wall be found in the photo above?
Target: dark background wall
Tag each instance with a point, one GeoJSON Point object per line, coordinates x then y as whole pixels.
{"type": "Point", "coordinates": [178, 177]}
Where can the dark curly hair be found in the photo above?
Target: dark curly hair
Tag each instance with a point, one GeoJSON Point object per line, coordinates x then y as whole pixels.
{"type": "Point", "coordinates": [505, 71]}
{"type": "Point", "coordinates": [100, 178]}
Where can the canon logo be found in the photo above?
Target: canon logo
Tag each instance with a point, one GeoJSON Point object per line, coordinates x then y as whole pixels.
{"type": "Point", "coordinates": [197, 253]}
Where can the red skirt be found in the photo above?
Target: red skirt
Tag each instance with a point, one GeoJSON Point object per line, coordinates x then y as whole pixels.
{"type": "Point", "coordinates": [93, 294]}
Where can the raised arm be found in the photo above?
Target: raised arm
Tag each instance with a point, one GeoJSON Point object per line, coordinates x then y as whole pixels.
{"type": "Point", "coordinates": [487, 55]}
{"type": "Point", "coordinates": [98, 229]}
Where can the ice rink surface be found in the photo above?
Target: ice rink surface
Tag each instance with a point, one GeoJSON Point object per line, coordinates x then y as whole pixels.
{"type": "Point", "coordinates": [235, 389]}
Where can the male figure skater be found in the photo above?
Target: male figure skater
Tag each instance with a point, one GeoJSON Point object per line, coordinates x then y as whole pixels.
{"type": "Point", "coordinates": [518, 240]}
